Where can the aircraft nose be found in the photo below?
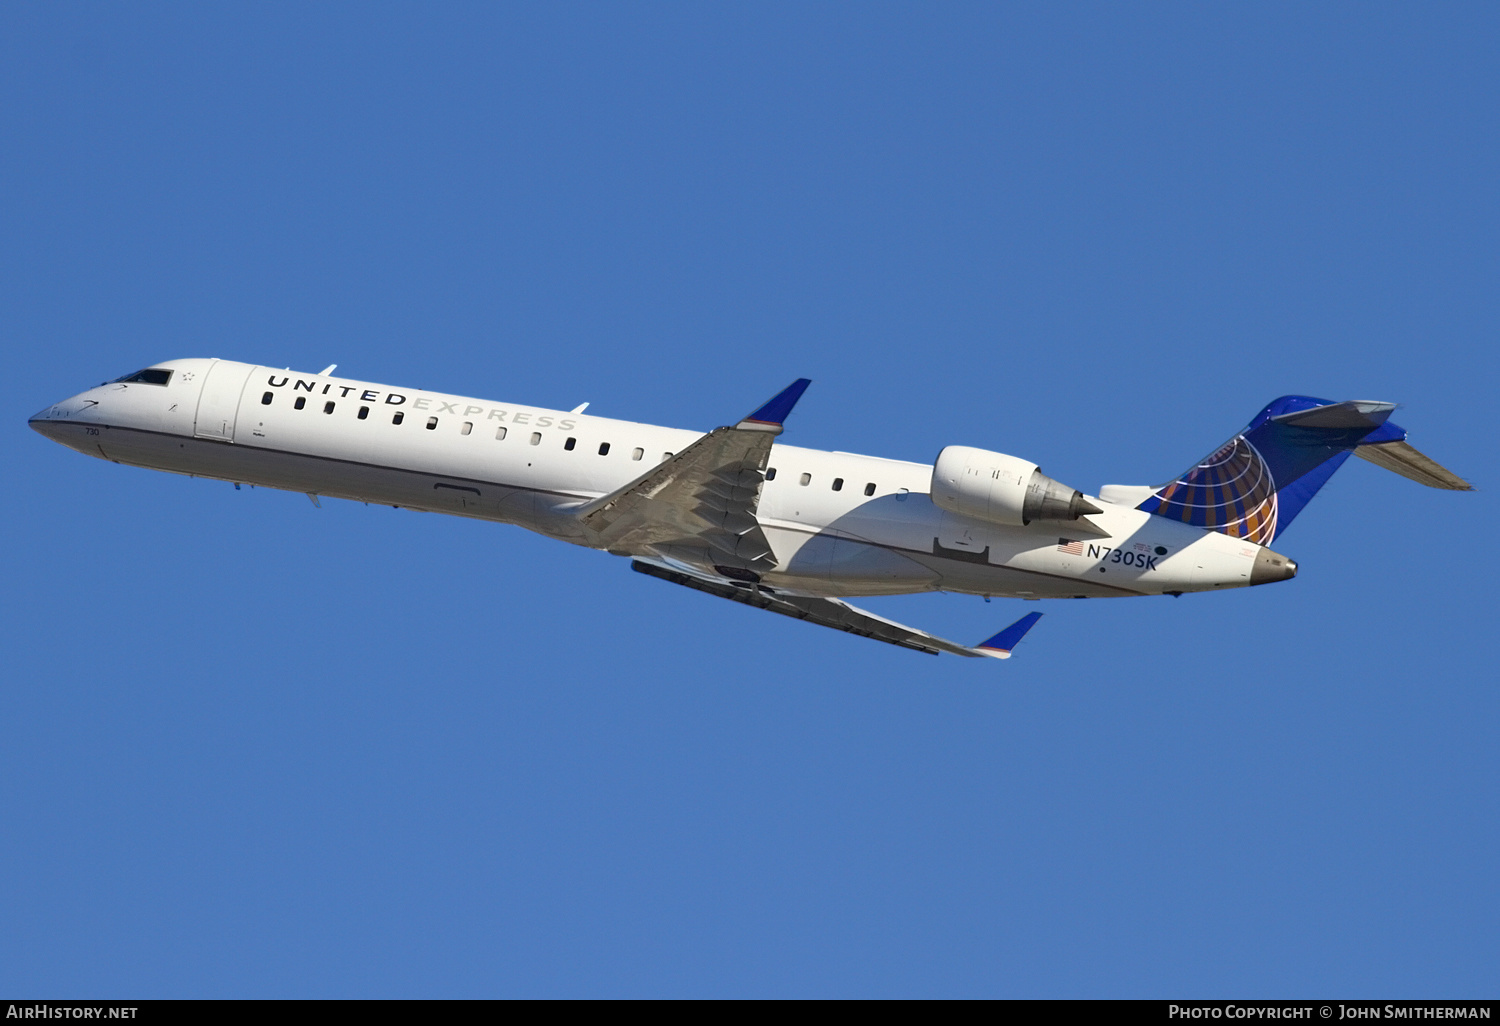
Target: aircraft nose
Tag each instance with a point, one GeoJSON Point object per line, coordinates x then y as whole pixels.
{"type": "Point", "coordinates": [42, 422]}
{"type": "Point", "coordinates": [1271, 567]}
{"type": "Point", "coordinates": [53, 422]}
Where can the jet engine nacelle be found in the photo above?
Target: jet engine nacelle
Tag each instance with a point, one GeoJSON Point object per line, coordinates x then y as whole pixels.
{"type": "Point", "coordinates": [1003, 489]}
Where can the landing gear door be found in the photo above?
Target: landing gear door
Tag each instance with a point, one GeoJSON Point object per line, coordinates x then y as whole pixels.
{"type": "Point", "coordinates": [219, 402]}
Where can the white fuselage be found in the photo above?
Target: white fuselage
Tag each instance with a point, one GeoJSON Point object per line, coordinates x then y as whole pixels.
{"type": "Point", "coordinates": [839, 524]}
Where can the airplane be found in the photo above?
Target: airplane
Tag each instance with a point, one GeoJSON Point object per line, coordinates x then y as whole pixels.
{"type": "Point", "coordinates": [733, 512]}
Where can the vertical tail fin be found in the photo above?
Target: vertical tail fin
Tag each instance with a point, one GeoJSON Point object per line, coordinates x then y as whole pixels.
{"type": "Point", "coordinates": [1256, 483]}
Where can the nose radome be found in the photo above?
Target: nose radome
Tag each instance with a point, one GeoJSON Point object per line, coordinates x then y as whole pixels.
{"type": "Point", "coordinates": [45, 424]}
{"type": "Point", "coordinates": [1271, 567]}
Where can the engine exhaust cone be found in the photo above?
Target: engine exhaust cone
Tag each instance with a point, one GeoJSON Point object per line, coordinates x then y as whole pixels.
{"type": "Point", "coordinates": [1047, 499]}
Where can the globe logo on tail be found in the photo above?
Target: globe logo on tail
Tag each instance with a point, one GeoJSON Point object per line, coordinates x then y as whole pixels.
{"type": "Point", "coordinates": [1231, 492]}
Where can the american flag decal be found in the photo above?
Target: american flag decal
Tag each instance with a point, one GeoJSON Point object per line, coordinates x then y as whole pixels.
{"type": "Point", "coordinates": [1072, 548]}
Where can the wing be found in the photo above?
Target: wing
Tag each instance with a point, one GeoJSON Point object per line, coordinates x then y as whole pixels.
{"type": "Point", "coordinates": [829, 612]}
{"type": "Point", "coordinates": [705, 495]}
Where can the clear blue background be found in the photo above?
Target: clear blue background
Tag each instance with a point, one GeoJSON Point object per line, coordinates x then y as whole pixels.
{"type": "Point", "coordinates": [249, 747]}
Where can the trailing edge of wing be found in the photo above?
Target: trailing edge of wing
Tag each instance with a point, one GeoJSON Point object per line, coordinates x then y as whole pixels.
{"type": "Point", "coordinates": [841, 616]}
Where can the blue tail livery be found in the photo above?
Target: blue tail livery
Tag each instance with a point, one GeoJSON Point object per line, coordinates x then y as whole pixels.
{"type": "Point", "coordinates": [1254, 485]}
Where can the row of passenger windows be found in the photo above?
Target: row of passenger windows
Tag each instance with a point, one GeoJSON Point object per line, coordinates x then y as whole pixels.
{"type": "Point", "coordinates": [536, 439]}
{"type": "Point", "coordinates": [806, 479]}
{"type": "Point", "coordinates": [467, 428]}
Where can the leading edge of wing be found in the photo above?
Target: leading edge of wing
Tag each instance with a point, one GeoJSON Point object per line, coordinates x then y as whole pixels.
{"type": "Point", "coordinates": [840, 615]}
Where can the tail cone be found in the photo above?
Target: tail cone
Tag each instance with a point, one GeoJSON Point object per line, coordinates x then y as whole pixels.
{"type": "Point", "coordinates": [1271, 567]}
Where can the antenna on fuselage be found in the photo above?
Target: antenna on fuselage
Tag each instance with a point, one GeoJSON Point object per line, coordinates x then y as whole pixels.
{"type": "Point", "coordinates": [579, 408]}
{"type": "Point", "coordinates": [327, 370]}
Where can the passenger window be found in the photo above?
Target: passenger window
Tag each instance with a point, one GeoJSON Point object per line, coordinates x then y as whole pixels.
{"type": "Point", "coordinates": [568, 445]}
{"type": "Point", "coordinates": [500, 434]}
{"type": "Point", "coordinates": [431, 423]}
{"type": "Point", "coordinates": [838, 484]}
{"type": "Point", "coordinates": [771, 474]}
{"type": "Point", "coordinates": [806, 479]}
{"type": "Point", "coordinates": [468, 426]}
{"type": "Point", "coordinates": [398, 418]}
{"type": "Point", "coordinates": [870, 488]}
{"type": "Point", "coordinates": [328, 407]}
{"type": "Point", "coordinates": [265, 400]}
{"type": "Point", "coordinates": [301, 402]}
{"type": "Point", "coordinates": [603, 448]}
{"type": "Point", "coordinates": [364, 412]}
{"type": "Point", "coordinates": [637, 453]}
{"type": "Point", "coordinates": [536, 438]}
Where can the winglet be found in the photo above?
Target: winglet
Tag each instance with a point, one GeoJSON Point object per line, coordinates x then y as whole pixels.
{"type": "Point", "coordinates": [771, 416]}
{"type": "Point", "coordinates": [1000, 645]}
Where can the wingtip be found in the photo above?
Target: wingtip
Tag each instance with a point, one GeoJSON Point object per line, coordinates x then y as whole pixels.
{"type": "Point", "coordinates": [1001, 645]}
{"type": "Point", "coordinates": [774, 413]}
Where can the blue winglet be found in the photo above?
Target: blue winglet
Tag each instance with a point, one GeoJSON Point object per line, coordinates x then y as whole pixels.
{"type": "Point", "coordinates": [774, 413]}
{"type": "Point", "coordinates": [1001, 644]}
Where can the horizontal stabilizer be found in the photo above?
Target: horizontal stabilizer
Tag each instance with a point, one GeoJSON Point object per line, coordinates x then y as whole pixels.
{"type": "Point", "coordinates": [1401, 458]}
{"type": "Point", "coordinates": [1367, 414]}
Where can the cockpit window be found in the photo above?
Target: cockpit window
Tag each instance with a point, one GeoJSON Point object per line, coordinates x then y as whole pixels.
{"type": "Point", "coordinates": [149, 376]}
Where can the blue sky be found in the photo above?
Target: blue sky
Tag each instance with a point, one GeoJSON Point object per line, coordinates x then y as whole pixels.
{"type": "Point", "coordinates": [253, 748]}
